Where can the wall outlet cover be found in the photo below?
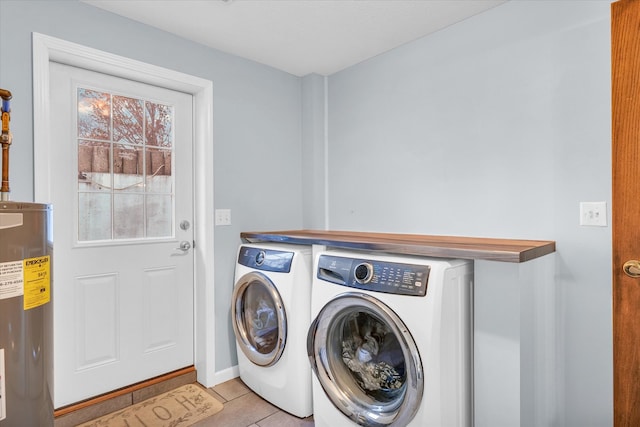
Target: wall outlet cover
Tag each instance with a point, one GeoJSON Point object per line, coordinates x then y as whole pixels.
{"type": "Point", "coordinates": [223, 217]}
{"type": "Point", "coordinates": [593, 214]}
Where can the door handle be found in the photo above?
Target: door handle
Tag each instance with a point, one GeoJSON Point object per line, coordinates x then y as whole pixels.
{"type": "Point", "coordinates": [184, 246]}
{"type": "Point", "coordinates": [632, 268]}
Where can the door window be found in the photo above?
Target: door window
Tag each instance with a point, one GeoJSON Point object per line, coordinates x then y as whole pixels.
{"type": "Point", "coordinates": [363, 346]}
{"type": "Point", "coordinates": [366, 360]}
{"type": "Point", "coordinates": [125, 179]}
{"type": "Point", "coordinates": [259, 319]}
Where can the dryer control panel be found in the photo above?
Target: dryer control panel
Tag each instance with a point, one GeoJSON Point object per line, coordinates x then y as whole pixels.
{"type": "Point", "coordinates": [265, 259]}
{"type": "Point", "coordinates": [373, 275]}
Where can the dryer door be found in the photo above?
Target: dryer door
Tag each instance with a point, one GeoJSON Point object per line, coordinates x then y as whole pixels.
{"type": "Point", "coordinates": [259, 319]}
{"type": "Point", "coordinates": [366, 361]}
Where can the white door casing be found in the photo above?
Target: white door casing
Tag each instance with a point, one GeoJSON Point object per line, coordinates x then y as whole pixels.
{"type": "Point", "coordinates": [47, 50]}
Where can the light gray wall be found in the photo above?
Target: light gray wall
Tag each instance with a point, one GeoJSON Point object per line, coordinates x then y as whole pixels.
{"type": "Point", "coordinates": [497, 126]}
{"type": "Point", "coordinates": [314, 127]}
{"type": "Point", "coordinates": [256, 123]}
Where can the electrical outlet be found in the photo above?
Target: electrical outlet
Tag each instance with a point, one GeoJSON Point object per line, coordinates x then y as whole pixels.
{"type": "Point", "coordinates": [223, 217]}
{"type": "Point", "coordinates": [593, 214]}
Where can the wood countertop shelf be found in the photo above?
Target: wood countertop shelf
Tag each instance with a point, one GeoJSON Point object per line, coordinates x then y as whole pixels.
{"type": "Point", "coordinates": [505, 250]}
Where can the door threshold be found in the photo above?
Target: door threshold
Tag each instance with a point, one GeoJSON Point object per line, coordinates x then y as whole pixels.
{"type": "Point", "coordinates": [115, 400]}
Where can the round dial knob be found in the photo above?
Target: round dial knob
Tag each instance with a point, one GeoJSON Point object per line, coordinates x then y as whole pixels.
{"type": "Point", "coordinates": [363, 273]}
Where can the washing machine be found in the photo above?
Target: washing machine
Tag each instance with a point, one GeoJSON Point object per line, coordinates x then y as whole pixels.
{"type": "Point", "coordinates": [391, 340]}
{"type": "Point", "coordinates": [271, 313]}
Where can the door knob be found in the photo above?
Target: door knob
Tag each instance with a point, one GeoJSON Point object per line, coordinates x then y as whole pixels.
{"type": "Point", "coordinates": [185, 246]}
{"type": "Point", "coordinates": [632, 268]}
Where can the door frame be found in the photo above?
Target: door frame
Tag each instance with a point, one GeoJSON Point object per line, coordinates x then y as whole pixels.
{"type": "Point", "coordinates": [48, 49]}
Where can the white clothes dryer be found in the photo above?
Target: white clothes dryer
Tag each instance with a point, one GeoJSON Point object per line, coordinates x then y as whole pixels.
{"type": "Point", "coordinates": [391, 340]}
{"type": "Point", "coordinates": [271, 313]}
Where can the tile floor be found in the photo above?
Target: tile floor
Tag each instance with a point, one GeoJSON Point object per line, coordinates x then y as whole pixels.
{"type": "Point", "coordinates": [244, 408]}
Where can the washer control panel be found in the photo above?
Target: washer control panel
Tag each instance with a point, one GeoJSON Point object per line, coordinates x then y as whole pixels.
{"type": "Point", "coordinates": [265, 259]}
{"type": "Point", "coordinates": [372, 275]}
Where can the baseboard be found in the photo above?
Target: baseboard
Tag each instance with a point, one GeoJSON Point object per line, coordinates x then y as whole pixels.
{"type": "Point", "coordinates": [226, 375]}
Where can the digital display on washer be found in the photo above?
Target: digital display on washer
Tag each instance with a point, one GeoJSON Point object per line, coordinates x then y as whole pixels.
{"type": "Point", "coordinates": [378, 276]}
{"type": "Point", "coordinates": [265, 259]}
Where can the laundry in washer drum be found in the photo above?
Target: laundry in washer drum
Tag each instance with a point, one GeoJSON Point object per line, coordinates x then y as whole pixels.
{"type": "Point", "coordinates": [372, 353]}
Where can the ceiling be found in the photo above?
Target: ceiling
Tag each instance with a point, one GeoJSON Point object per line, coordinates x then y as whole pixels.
{"type": "Point", "coordinates": [300, 36]}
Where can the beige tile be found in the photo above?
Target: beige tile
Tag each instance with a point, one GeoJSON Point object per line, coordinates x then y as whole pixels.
{"type": "Point", "coordinates": [240, 412]}
{"type": "Point", "coordinates": [216, 395]}
{"type": "Point", "coordinates": [93, 411]}
{"type": "Point", "coordinates": [163, 387]}
{"type": "Point", "coordinates": [232, 389]}
{"type": "Point", "coordinates": [283, 419]}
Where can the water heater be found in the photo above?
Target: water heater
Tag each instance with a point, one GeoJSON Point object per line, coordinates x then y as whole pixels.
{"type": "Point", "coordinates": [26, 315]}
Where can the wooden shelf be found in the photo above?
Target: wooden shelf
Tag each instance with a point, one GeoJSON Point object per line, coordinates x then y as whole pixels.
{"type": "Point", "coordinates": [506, 250]}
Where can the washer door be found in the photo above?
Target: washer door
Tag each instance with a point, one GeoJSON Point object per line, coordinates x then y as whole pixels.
{"type": "Point", "coordinates": [259, 319]}
{"type": "Point", "coordinates": [366, 361]}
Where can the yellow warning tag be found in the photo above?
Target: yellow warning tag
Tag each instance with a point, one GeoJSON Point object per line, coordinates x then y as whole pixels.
{"type": "Point", "coordinates": [37, 281]}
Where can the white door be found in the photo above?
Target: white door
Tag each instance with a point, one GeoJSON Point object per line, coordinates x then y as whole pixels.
{"type": "Point", "coordinates": [122, 195]}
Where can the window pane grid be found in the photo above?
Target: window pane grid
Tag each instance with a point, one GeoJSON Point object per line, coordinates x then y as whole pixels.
{"type": "Point", "coordinates": [125, 167]}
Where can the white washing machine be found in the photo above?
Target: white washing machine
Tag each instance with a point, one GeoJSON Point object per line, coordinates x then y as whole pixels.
{"type": "Point", "coordinates": [391, 340]}
{"type": "Point", "coordinates": [271, 314]}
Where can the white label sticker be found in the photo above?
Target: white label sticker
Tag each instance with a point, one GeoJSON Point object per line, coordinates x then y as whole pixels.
{"type": "Point", "coordinates": [11, 279]}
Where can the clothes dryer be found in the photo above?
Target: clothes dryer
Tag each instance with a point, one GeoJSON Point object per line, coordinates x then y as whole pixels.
{"type": "Point", "coordinates": [271, 313]}
{"type": "Point", "coordinates": [391, 341]}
